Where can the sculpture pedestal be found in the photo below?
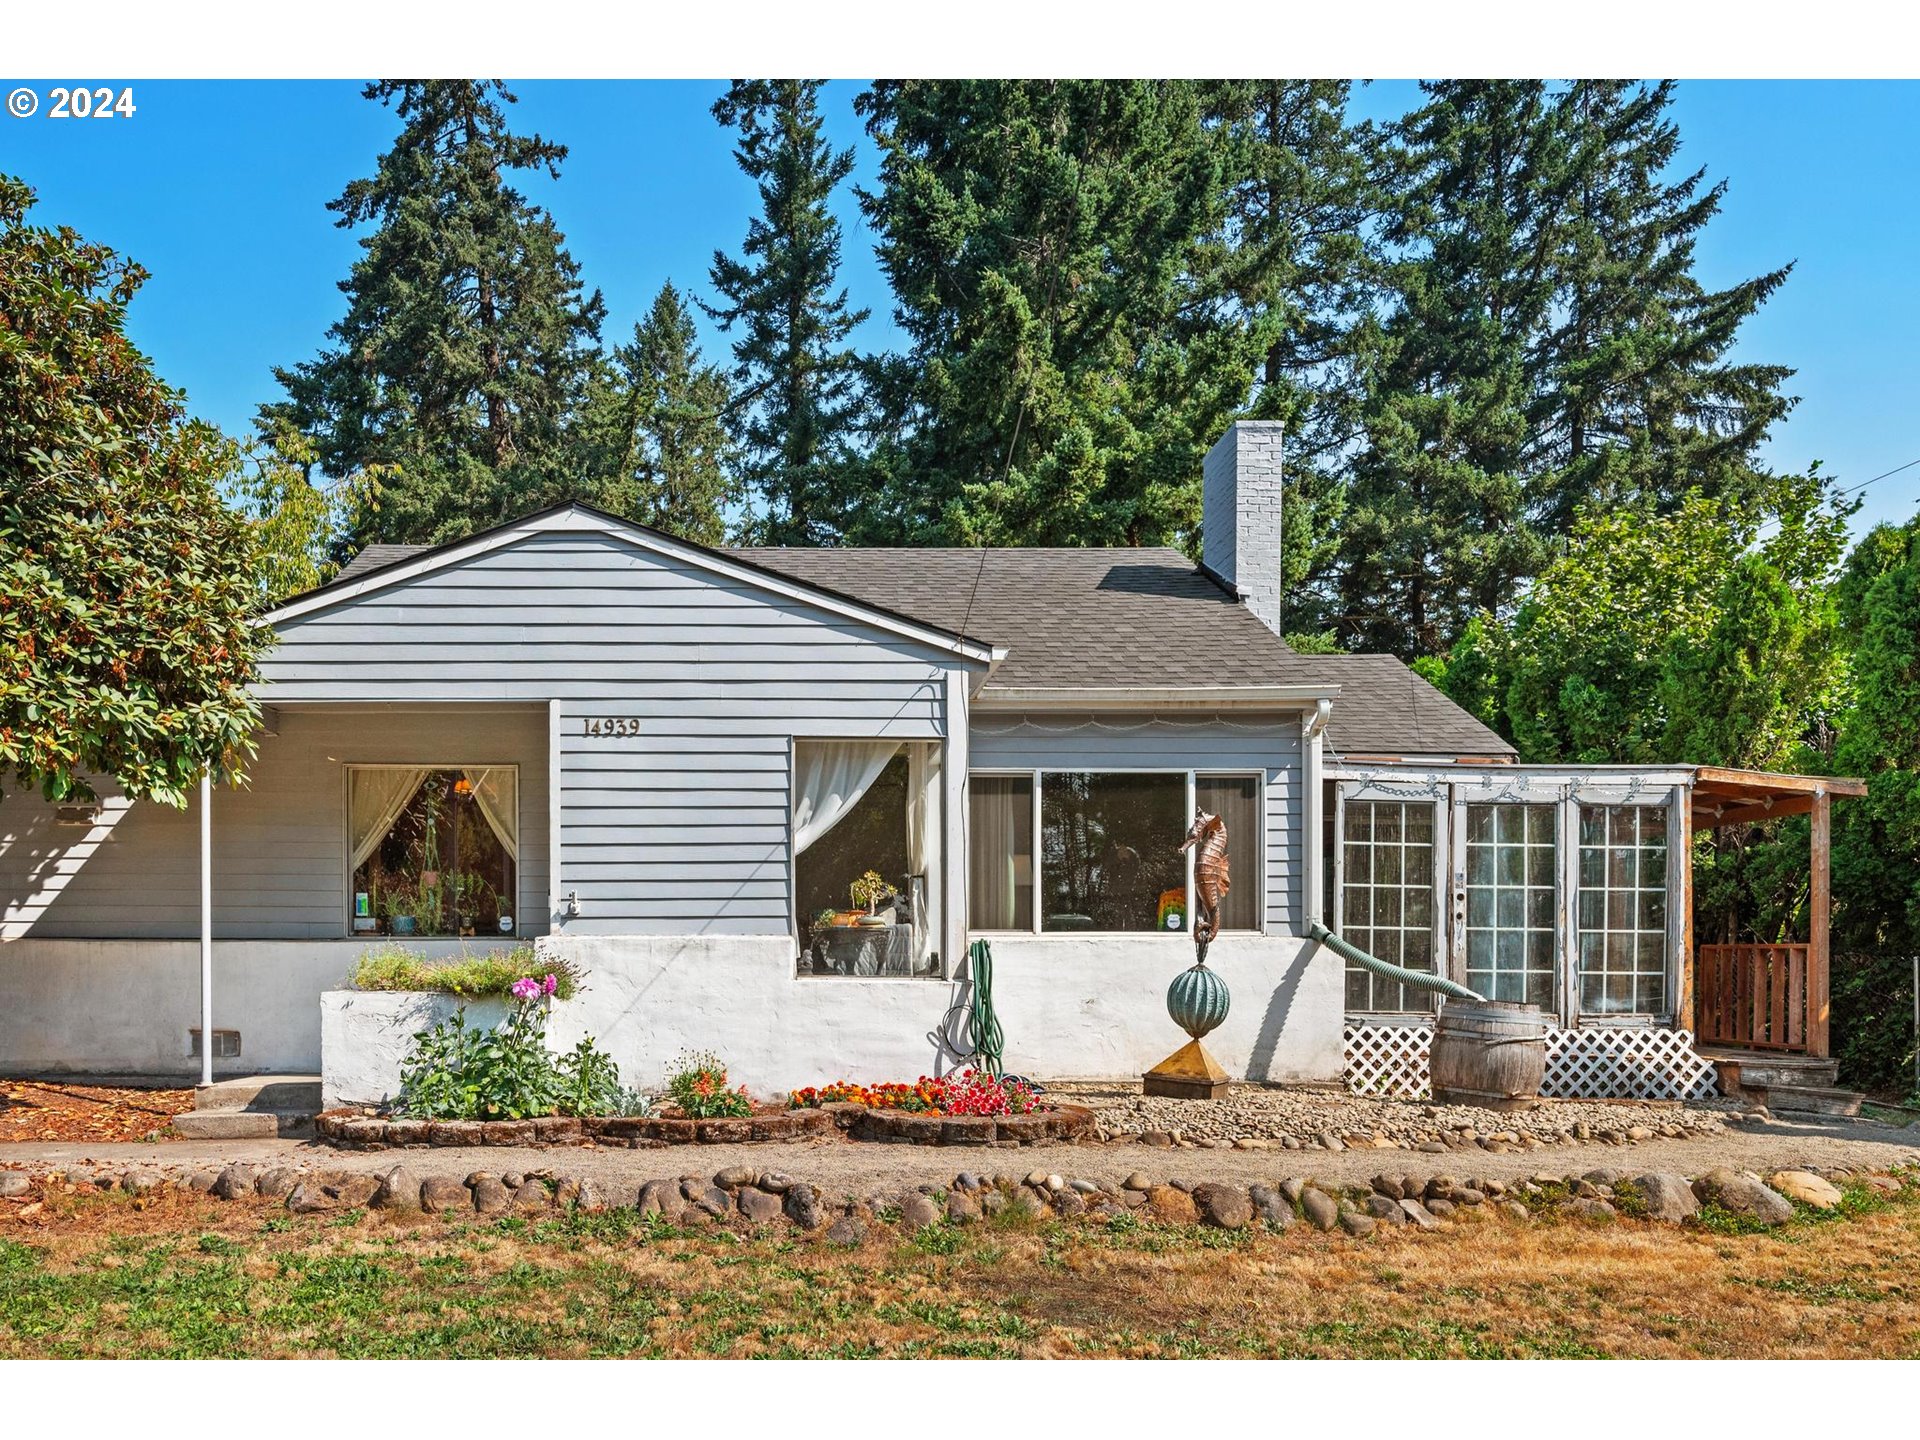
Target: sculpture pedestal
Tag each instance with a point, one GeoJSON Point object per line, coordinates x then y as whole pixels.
{"type": "Point", "coordinates": [1190, 1073]}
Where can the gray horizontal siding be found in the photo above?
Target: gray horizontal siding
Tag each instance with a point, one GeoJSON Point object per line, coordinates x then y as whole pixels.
{"type": "Point", "coordinates": [1268, 744]}
{"type": "Point", "coordinates": [279, 842]}
{"type": "Point", "coordinates": [682, 828]}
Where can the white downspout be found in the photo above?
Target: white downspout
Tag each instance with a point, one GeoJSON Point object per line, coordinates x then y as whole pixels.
{"type": "Point", "coordinates": [206, 927]}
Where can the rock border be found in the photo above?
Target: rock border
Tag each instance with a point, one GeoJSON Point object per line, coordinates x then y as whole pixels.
{"type": "Point", "coordinates": [352, 1128]}
{"type": "Point", "coordinates": [742, 1197]}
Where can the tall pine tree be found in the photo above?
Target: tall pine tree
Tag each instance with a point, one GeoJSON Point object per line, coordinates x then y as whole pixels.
{"type": "Point", "coordinates": [446, 389]}
{"type": "Point", "coordinates": [1635, 397]}
{"type": "Point", "coordinates": [1070, 358]}
{"type": "Point", "coordinates": [654, 433]}
{"type": "Point", "coordinates": [793, 366]}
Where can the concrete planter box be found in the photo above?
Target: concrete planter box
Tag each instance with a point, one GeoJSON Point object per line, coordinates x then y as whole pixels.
{"type": "Point", "coordinates": [365, 1035]}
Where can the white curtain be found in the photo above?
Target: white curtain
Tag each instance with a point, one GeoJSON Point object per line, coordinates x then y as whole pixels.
{"type": "Point", "coordinates": [496, 792]}
{"type": "Point", "coordinates": [923, 846]}
{"type": "Point", "coordinates": [375, 799]}
{"type": "Point", "coordinates": [829, 777]}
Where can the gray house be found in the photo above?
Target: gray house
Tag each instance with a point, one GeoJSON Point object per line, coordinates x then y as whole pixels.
{"type": "Point", "coordinates": [767, 798]}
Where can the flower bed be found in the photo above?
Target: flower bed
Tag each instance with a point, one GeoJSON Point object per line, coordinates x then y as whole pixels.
{"type": "Point", "coordinates": [970, 1092]}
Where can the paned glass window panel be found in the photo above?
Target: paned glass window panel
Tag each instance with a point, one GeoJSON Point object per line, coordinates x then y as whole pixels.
{"type": "Point", "coordinates": [1236, 800]}
{"type": "Point", "coordinates": [1622, 909]}
{"type": "Point", "coordinates": [1387, 908]}
{"type": "Point", "coordinates": [1510, 911]}
{"type": "Point", "coordinates": [1110, 851]}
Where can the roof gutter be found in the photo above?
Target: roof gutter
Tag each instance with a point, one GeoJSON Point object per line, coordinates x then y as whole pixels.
{"type": "Point", "coordinates": [1152, 697]}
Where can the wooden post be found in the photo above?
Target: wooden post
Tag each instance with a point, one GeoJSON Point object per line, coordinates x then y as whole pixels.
{"type": "Point", "coordinates": [1818, 952]}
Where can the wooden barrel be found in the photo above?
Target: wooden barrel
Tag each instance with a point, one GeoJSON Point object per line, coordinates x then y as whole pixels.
{"type": "Point", "coordinates": [1489, 1053]}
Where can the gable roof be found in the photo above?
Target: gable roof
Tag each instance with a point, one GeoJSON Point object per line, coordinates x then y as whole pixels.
{"type": "Point", "coordinates": [1088, 620]}
{"type": "Point", "coordinates": [399, 563]}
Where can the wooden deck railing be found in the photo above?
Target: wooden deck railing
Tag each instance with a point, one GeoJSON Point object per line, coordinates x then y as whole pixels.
{"type": "Point", "coordinates": [1754, 996]}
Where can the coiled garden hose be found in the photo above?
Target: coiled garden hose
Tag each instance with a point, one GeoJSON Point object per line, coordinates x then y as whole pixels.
{"type": "Point", "coordinates": [1418, 979]}
{"type": "Point", "coordinates": [983, 1026]}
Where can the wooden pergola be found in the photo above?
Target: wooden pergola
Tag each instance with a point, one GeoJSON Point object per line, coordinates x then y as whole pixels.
{"type": "Point", "coordinates": [1756, 996]}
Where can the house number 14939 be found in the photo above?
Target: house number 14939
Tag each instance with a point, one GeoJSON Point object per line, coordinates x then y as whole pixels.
{"type": "Point", "coordinates": [612, 726]}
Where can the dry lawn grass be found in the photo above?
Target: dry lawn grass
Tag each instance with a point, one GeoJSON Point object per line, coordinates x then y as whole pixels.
{"type": "Point", "coordinates": [179, 1275]}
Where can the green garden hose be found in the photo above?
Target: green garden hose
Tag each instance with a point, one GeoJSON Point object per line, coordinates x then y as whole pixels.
{"type": "Point", "coordinates": [1418, 979]}
{"type": "Point", "coordinates": [983, 1026]}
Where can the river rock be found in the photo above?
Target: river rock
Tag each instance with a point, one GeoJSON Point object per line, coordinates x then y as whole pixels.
{"type": "Point", "coordinates": [277, 1183]}
{"type": "Point", "coordinates": [440, 1194]}
{"type": "Point", "coordinates": [1138, 1180]}
{"type": "Point", "coordinates": [1226, 1207]}
{"type": "Point", "coordinates": [400, 1189]}
{"type": "Point", "coordinates": [846, 1232]}
{"type": "Point", "coordinates": [1173, 1207]}
{"type": "Point", "coordinates": [760, 1206]}
{"type": "Point", "coordinates": [1386, 1209]}
{"type": "Point", "coordinates": [1321, 1209]}
{"type": "Point", "coordinates": [918, 1211]}
{"type": "Point", "coordinates": [139, 1182]}
{"type": "Point", "coordinates": [490, 1196]}
{"type": "Point", "coordinates": [532, 1195]}
{"type": "Point", "coordinates": [1354, 1223]}
{"type": "Point", "coordinates": [14, 1183]}
{"type": "Point", "coordinates": [802, 1204]}
{"type": "Point", "coordinates": [776, 1182]}
{"type": "Point", "coordinates": [1583, 1209]}
{"type": "Point", "coordinates": [1742, 1194]}
{"type": "Point", "coordinates": [734, 1177]}
{"type": "Point", "coordinates": [962, 1208]}
{"type": "Point", "coordinates": [1273, 1208]}
{"type": "Point", "coordinates": [235, 1181]}
{"type": "Point", "coordinates": [1418, 1216]}
{"type": "Point", "coordinates": [1807, 1188]}
{"type": "Point", "coordinates": [1664, 1196]}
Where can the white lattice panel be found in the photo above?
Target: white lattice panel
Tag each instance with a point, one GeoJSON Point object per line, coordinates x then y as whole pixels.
{"type": "Point", "coordinates": [1389, 1061]}
{"type": "Point", "coordinates": [1636, 1063]}
{"type": "Point", "coordinates": [1621, 1063]}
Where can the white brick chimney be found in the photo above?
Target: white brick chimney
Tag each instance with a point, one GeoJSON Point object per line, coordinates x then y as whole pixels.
{"type": "Point", "coordinates": [1240, 515]}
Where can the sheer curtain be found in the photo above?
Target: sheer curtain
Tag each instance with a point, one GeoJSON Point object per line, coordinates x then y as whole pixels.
{"type": "Point", "coordinates": [497, 792]}
{"type": "Point", "coordinates": [375, 799]}
{"type": "Point", "coordinates": [1000, 862]}
{"type": "Point", "coordinates": [829, 776]}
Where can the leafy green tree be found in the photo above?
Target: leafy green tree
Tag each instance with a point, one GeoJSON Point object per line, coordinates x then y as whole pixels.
{"type": "Point", "coordinates": [1690, 636]}
{"type": "Point", "coordinates": [126, 586]}
{"type": "Point", "coordinates": [793, 366]}
{"type": "Point", "coordinates": [296, 518]}
{"type": "Point", "coordinates": [655, 430]}
{"type": "Point", "coordinates": [445, 393]}
{"type": "Point", "coordinates": [1070, 360]}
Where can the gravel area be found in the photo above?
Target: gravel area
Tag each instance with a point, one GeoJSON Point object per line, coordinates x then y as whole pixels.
{"type": "Point", "coordinates": [1253, 1117]}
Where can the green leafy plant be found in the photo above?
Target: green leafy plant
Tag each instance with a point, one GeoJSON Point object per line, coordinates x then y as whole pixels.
{"type": "Point", "coordinates": [868, 890]}
{"type": "Point", "coordinates": [698, 1084]}
{"type": "Point", "coordinates": [589, 1081]}
{"type": "Point", "coordinates": [475, 976]}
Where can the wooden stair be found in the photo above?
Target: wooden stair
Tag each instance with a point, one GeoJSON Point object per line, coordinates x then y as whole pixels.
{"type": "Point", "coordinates": [1786, 1084]}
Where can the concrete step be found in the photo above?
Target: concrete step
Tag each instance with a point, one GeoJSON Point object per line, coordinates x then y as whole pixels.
{"type": "Point", "coordinates": [243, 1124]}
{"type": "Point", "coordinates": [1813, 1100]}
{"type": "Point", "coordinates": [270, 1093]}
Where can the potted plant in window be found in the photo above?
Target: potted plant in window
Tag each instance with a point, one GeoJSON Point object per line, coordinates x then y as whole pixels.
{"type": "Point", "coordinates": [869, 890]}
{"type": "Point", "coordinates": [403, 909]}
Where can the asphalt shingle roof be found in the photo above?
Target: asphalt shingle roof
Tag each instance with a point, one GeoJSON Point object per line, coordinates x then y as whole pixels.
{"type": "Point", "coordinates": [1085, 618]}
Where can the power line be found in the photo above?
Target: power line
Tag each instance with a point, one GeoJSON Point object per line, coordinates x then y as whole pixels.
{"type": "Point", "coordinates": [1856, 489]}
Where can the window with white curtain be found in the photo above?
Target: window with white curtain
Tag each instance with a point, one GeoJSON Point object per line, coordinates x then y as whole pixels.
{"type": "Point", "coordinates": [433, 850]}
{"type": "Point", "coordinates": [866, 839]}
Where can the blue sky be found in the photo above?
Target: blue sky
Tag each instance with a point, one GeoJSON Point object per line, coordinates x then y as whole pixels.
{"type": "Point", "coordinates": [219, 188]}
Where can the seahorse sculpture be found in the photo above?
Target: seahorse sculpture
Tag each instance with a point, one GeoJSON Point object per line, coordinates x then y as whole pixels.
{"type": "Point", "coordinates": [1210, 880]}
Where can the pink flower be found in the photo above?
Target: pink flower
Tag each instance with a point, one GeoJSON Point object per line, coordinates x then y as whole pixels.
{"type": "Point", "coordinates": [550, 985]}
{"type": "Point", "coordinates": [526, 989]}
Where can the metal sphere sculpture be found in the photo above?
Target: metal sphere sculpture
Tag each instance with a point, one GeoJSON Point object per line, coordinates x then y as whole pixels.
{"type": "Point", "coordinates": [1198, 999]}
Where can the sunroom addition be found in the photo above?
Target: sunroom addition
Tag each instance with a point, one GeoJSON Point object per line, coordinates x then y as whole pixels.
{"type": "Point", "coordinates": [1568, 888]}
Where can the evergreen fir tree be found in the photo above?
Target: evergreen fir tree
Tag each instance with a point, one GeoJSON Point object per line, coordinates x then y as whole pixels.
{"type": "Point", "coordinates": [1070, 362]}
{"type": "Point", "coordinates": [1296, 261]}
{"type": "Point", "coordinates": [1634, 396]}
{"type": "Point", "coordinates": [792, 362]}
{"type": "Point", "coordinates": [654, 430]}
{"type": "Point", "coordinates": [445, 391]}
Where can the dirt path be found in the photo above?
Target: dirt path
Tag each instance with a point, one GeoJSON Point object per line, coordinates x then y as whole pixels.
{"type": "Point", "coordinates": [839, 1165]}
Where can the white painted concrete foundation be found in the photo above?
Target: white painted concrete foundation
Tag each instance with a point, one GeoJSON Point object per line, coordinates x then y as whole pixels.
{"type": "Point", "coordinates": [125, 1007]}
{"type": "Point", "coordinates": [1072, 1007]}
